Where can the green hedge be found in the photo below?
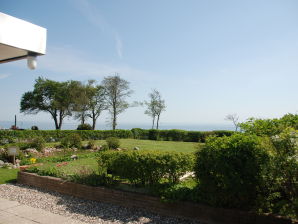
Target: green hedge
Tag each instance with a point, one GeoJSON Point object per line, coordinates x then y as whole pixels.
{"type": "Point", "coordinates": [230, 171]}
{"type": "Point", "coordinates": [7, 136]}
{"type": "Point", "coordinates": [177, 135]}
{"type": "Point", "coordinates": [145, 167]}
{"type": "Point", "coordinates": [57, 135]}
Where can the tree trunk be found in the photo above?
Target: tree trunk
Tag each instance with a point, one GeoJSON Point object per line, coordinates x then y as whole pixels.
{"type": "Point", "coordinates": [153, 120]}
{"type": "Point", "coordinates": [82, 118]}
{"type": "Point", "coordinates": [114, 121]}
{"type": "Point", "coordinates": [60, 119]}
{"type": "Point", "coordinates": [54, 116]}
{"type": "Point", "coordinates": [56, 122]}
{"type": "Point", "coordinates": [93, 123]}
{"type": "Point", "coordinates": [157, 121]}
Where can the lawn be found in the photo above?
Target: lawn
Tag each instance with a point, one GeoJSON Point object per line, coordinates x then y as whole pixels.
{"type": "Point", "coordinates": [150, 145]}
{"type": "Point", "coordinates": [8, 175]}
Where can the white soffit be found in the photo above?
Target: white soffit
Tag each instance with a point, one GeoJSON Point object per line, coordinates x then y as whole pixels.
{"type": "Point", "coordinates": [19, 38]}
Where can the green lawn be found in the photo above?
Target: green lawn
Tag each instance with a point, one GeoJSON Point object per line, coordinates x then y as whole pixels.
{"type": "Point", "coordinates": [151, 145]}
{"type": "Point", "coordinates": [7, 175]}
{"type": "Point", "coordinates": [156, 145]}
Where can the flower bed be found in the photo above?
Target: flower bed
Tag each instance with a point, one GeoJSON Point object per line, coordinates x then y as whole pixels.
{"type": "Point", "coordinates": [129, 199]}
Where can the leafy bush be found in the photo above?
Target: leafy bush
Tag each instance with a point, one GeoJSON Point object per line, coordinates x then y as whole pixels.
{"type": "Point", "coordinates": [84, 127]}
{"type": "Point", "coordinates": [91, 144]}
{"type": "Point", "coordinates": [38, 143]}
{"type": "Point", "coordinates": [230, 171]}
{"type": "Point", "coordinates": [269, 127]}
{"type": "Point", "coordinates": [57, 135]}
{"type": "Point", "coordinates": [34, 128]}
{"type": "Point", "coordinates": [280, 193]}
{"type": "Point", "coordinates": [89, 177]}
{"type": "Point", "coordinates": [153, 134]}
{"type": "Point", "coordinates": [45, 171]}
{"type": "Point", "coordinates": [113, 143]}
{"type": "Point", "coordinates": [73, 140]}
{"type": "Point", "coordinates": [137, 133]}
{"type": "Point", "coordinates": [145, 167]}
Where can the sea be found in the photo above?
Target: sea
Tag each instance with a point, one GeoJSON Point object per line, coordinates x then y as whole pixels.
{"type": "Point", "coordinates": [105, 126]}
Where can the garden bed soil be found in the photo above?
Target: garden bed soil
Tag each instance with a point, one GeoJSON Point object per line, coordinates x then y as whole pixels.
{"type": "Point", "coordinates": [128, 199]}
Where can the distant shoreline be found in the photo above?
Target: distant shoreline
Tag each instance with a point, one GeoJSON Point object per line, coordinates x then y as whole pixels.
{"type": "Point", "coordinates": [100, 126]}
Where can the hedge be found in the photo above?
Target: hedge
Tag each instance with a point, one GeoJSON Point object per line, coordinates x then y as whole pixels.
{"type": "Point", "coordinates": [177, 135]}
{"type": "Point", "coordinates": [145, 167]}
{"type": "Point", "coordinates": [230, 171]}
{"type": "Point", "coordinates": [57, 135]}
{"type": "Point", "coordinates": [7, 136]}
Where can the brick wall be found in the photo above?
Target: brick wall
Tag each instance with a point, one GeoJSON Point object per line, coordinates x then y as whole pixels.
{"type": "Point", "coordinates": [180, 209]}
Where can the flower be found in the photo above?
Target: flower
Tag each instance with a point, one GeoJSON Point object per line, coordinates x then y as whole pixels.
{"type": "Point", "coordinates": [32, 160]}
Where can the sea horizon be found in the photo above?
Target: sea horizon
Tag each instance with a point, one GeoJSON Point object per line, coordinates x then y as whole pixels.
{"type": "Point", "coordinates": [127, 126]}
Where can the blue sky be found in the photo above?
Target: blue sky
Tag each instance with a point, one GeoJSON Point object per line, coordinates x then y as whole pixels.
{"type": "Point", "coordinates": [207, 58]}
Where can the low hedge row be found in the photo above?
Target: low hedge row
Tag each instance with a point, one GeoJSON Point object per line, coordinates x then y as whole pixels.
{"type": "Point", "coordinates": [145, 167]}
{"type": "Point", "coordinates": [7, 136]}
{"type": "Point", "coordinates": [177, 135]}
{"type": "Point", "coordinates": [57, 135]}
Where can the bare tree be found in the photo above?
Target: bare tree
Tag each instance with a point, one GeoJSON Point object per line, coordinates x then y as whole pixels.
{"type": "Point", "coordinates": [159, 108]}
{"type": "Point", "coordinates": [155, 107]}
{"type": "Point", "coordinates": [152, 106]}
{"type": "Point", "coordinates": [116, 92]}
{"type": "Point", "coordinates": [234, 118]}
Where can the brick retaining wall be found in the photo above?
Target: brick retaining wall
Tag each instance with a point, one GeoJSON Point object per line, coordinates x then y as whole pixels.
{"type": "Point", "coordinates": [128, 199]}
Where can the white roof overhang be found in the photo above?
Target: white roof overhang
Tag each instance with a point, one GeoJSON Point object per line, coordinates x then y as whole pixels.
{"type": "Point", "coordinates": [20, 39]}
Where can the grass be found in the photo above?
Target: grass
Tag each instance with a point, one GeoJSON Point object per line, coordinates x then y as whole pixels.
{"type": "Point", "coordinates": [77, 165]}
{"type": "Point", "coordinates": [156, 145]}
{"type": "Point", "coordinates": [8, 175]}
{"type": "Point", "coordinates": [149, 145]}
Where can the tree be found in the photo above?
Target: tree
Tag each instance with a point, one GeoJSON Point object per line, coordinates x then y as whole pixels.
{"type": "Point", "coordinates": [160, 107]}
{"type": "Point", "coordinates": [234, 118]}
{"type": "Point", "coordinates": [97, 101]}
{"type": "Point", "coordinates": [81, 102]}
{"type": "Point", "coordinates": [49, 96]}
{"type": "Point", "coordinates": [116, 92]}
{"type": "Point", "coordinates": [152, 106]}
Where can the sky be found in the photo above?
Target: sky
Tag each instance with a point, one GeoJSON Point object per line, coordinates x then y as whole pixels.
{"type": "Point", "coordinates": [206, 58]}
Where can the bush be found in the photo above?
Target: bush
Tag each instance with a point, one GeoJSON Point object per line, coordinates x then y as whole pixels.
{"type": "Point", "coordinates": [230, 171]}
{"type": "Point", "coordinates": [84, 127]}
{"type": "Point", "coordinates": [280, 194]}
{"type": "Point", "coordinates": [153, 134]}
{"type": "Point", "coordinates": [57, 135]}
{"type": "Point", "coordinates": [73, 140]}
{"type": "Point", "coordinates": [34, 128]}
{"type": "Point", "coordinates": [91, 144]}
{"type": "Point", "coordinates": [38, 143]}
{"type": "Point", "coordinates": [113, 143]}
{"type": "Point", "coordinates": [145, 167]}
{"type": "Point", "coordinates": [137, 133]}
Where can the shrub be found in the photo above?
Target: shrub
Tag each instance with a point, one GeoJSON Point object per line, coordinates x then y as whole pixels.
{"type": "Point", "coordinates": [230, 171]}
{"type": "Point", "coordinates": [84, 127]}
{"type": "Point", "coordinates": [153, 134]}
{"type": "Point", "coordinates": [88, 176]}
{"type": "Point", "coordinates": [113, 143]}
{"type": "Point", "coordinates": [280, 194]}
{"type": "Point", "coordinates": [38, 143]}
{"type": "Point", "coordinates": [145, 167]}
{"type": "Point", "coordinates": [34, 128]}
{"type": "Point", "coordinates": [72, 140]}
{"type": "Point", "coordinates": [91, 144]}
